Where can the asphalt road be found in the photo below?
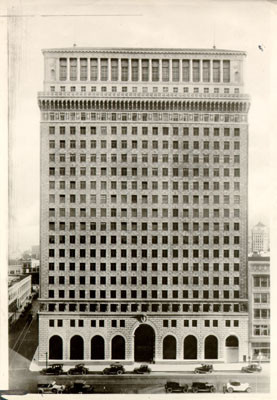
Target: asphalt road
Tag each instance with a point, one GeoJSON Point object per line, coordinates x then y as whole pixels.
{"type": "Point", "coordinates": [128, 383]}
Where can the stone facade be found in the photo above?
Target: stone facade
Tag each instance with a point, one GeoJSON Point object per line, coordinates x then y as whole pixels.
{"type": "Point", "coordinates": [144, 158]}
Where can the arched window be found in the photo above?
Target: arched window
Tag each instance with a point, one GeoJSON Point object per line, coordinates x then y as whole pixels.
{"type": "Point", "coordinates": [97, 348]}
{"type": "Point", "coordinates": [118, 348]}
{"type": "Point", "coordinates": [169, 348]}
{"type": "Point", "coordinates": [76, 348]}
{"type": "Point", "coordinates": [211, 347]}
{"type": "Point", "coordinates": [190, 348]}
{"type": "Point", "coordinates": [55, 348]}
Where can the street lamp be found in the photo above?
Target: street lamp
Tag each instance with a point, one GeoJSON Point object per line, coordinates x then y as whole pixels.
{"type": "Point", "coordinates": [46, 360]}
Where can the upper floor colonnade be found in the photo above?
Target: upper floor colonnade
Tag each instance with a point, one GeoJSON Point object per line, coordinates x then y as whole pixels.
{"type": "Point", "coordinates": [74, 69]}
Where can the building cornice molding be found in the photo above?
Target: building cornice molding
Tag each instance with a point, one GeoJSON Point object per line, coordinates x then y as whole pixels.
{"type": "Point", "coordinates": [125, 50]}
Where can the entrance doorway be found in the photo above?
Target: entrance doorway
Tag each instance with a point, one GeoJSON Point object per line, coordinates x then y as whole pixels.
{"type": "Point", "coordinates": [232, 349]}
{"type": "Point", "coordinates": [211, 348]}
{"type": "Point", "coordinates": [144, 343]}
{"type": "Point", "coordinates": [76, 348]}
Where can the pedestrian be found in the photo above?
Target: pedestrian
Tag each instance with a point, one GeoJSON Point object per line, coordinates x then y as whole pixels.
{"type": "Point", "coordinates": [224, 388]}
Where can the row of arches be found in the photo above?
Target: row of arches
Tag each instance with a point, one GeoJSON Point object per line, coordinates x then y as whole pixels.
{"type": "Point", "coordinates": [144, 349]}
{"type": "Point", "coordinates": [143, 105]}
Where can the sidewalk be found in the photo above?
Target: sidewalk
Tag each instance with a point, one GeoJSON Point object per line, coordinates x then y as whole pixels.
{"type": "Point", "coordinates": [170, 367]}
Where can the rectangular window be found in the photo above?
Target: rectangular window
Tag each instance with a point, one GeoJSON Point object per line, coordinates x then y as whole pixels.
{"type": "Point", "coordinates": [196, 70]}
{"type": "Point", "coordinates": [63, 69]}
{"type": "Point", "coordinates": [104, 69]}
{"type": "Point", "coordinates": [226, 71]}
{"type": "Point", "coordinates": [175, 71]}
{"type": "Point", "coordinates": [206, 71]}
{"type": "Point", "coordinates": [93, 69]}
{"type": "Point", "coordinates": [73, 69]}
{"type": "Point", "coordinates": [124, 69]}
{"type": "Point", "coordinates": [114, 72]}
{"type": "Point", "coordinates": [83, 69]}
{"type": "Point", "coordinates": [165, 70]}
{"type": "Point", "coordinates": [186, 70]}
{"type": "Point", "coordinates": [145, 70]}
{"type": "Point", "coordinates": [135, 70]}
{"type": "Point", "coordinates": [155, 70]}
{"type": "Point", "coordinates": [216, 71]}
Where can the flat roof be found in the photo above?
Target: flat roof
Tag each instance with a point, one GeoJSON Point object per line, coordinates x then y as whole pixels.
{"type": "Point", "coordinates": [259, 258]}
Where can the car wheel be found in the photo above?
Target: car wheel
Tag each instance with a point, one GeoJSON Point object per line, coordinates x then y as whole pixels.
{"type": "Point", "coordinates": [185, 389]}
{"type": "Point", "coordinates": [230, 390]}
{"type": "Point", "coordinates": [40, 391]}
{"type": "Point", "coordinates": [169, 390]}
{"type": "Point", "coordinates": [210, 371]}
{"type": "Point", "coordinates": [119, 372]}
{"type": "Point", "coordinates": [196, 371]}
{"type": "Point", "coordinates": [212, 390]}
{"type": "Point", "coordinates": [194, 390]}
{"type": "Point", "coordinates": [249, 390]}
{"type": "Point", "coordinates": [54, 390]}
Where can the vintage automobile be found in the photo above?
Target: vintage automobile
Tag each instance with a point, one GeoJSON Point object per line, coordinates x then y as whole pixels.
{"type": "Point", "coordinates": [171, 387]}
{"type": "Point", "coordinates": [236, 386]}
{"type": "Point", "coordinates": [79, 369]}
{"type": "Point", "coordinates": [252, 368]}
{"type": "Point", "coordinates": [202, 387]}
{"type": "Point", "coordinates": [114, 369]}
{"type": "Point", "coordinates": [79, 386]}
{"type": "Point", "coordinates": [50, 388]}
{"type": "Point", "coordinates": [143, 369]}
{"type": "Point", "coordinates": [55, 369]}
{"type": "Point", "coordinates": [204, 369]}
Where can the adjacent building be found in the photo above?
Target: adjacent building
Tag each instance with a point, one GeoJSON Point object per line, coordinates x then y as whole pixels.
{"type": "Point", "coordinates": [259, 307]}
{"type": "Point", "coordinates": [19, 295]}
{"type": "Point", "coordinates": [143, 234]}
{"type": "Point", "coordinates": [259, 238]}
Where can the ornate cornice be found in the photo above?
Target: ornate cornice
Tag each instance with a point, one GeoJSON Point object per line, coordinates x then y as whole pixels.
{"type": "Point", "coordinates": [124, 50]}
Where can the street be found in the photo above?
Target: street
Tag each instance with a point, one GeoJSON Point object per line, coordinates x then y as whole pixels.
{"type": "Point", "coordinates": [23, 340]}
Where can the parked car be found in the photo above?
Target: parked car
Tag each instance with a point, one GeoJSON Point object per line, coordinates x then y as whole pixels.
{"type": "Point", "coordinates": [204, 369]}
{"type": "Point", "coordinates": [202, 387]}
{"type": "Point", "coordinates": [79, 369]}
{"type": "Point", "coordinates": [143, 369]}
{"type": "Point", "coordinates": [175, 387]}
{"type": "Point", "coordinates": [114, 369]}
{"type": "Point", "coordinates": [50, 388]}
{"type": "Point", "coordinates": [236, 386]}
{"type": "Point", "coordinates": [55, 369]}
{"type": "Point", "coordinates": [252, 368]}
{"type": "Point", "coordinates": [79, 387]}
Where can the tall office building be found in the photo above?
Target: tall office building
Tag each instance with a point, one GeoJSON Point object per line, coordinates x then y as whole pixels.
{"type": "Point", "coordinates": [260, 238]}
{"type": "Point", "coordinates": [144, 158]}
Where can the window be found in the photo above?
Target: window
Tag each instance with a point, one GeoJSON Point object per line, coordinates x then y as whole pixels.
{"type": "Point", "coordinates": [145, 70]}
{"type": "Point", "coordinates": [206, 70]}
{"type": "Point", "coordinates": [165, 70]}
{"type": "Point", "coordinates": [175, 71]}
{"type": "Point", "coordinates": [226, 71]}
{"type": "Point", "coordinates": [196, 70]}
{"type": "Point", "coordinates": [124, 69]}
{"type": "Point", "coordinates": [73, 69]}
{"type": "Point", "coordinates": [155, 70]}
{"type": "Point", "coordinates": [186, 70]}
{"type": "Point", "coordinates": [63, 69]}
{"type": "Point", "coordinates": [134, 66]}
{"type": "Point", "coordinates": [114, 70]}
{"type": "Point", "coordinates": [216, 71]}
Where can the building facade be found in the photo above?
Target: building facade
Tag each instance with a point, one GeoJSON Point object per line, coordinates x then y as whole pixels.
{"type": "Point", "coordinates": [260, 238]}
{"type": "Point", "coordinates": [19, 295]}
{"type": "Point", "coordinates": [143, 238]}
{"type": "Point", "coordinates": [259, 307]}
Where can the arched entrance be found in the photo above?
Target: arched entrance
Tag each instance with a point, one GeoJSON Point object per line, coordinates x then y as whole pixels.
{"type": "Point", "coordinates": [97, 346]}
{"type": "Point", "coordinates": [211, 348]}
{"type": "Point", "coordinates": [76, 348]}
{"type": "Point", "coordinates": [55, 348]}
{"type": "Point", "coordinates": [169, 348]}
{"type": "Point", "coordinates": [144, 343]}
{"type": "Point", "coordinates": [232, 349]}
{"type": "Point", "coordinates": [118, 348]}
{"type": "Point", "coordinates": [190, 348]}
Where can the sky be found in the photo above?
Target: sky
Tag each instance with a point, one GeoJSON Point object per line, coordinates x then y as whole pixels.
{"type": "Point", "coordinates": [237, 25]}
